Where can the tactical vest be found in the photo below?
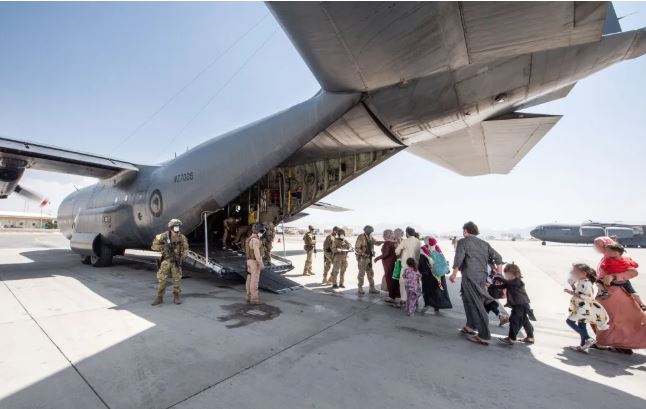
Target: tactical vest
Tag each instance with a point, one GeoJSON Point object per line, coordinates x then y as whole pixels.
{"type": "Point", "coordinates": [368, 246]}
{"type": "Point", "coordinates": [249, 251]}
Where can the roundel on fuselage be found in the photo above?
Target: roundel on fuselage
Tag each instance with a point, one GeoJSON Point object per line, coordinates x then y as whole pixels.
{"type": "Point", "coordinates": [156, 203]}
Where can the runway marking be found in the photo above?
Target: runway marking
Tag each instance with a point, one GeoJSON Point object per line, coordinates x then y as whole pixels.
{"type": "Point", "coordinates": [55, 345]}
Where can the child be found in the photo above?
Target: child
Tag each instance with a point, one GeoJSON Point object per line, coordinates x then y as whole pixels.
{"type": "Point", "coordinates": [583, 308]}
{"type": "Point", "coordinates": [518, 300]}
{"type": "Point", "coordinates": [412, 276]}
{"type": "Point", "coordinates": [615, 263]}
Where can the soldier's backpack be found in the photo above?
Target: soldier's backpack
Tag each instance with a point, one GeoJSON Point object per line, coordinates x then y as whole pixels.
{"type": "Point", "coordinates": [440, 265]}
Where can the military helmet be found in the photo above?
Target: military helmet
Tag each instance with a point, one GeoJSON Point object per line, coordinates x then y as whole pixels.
{"type": "Point", "coordinates": [174, 222]}
{"type": "Point", "coordinates": [310, 227]}
{"type": "Point", "coordinates": [368, 229]}
{"type": "Point", "coordinates": [335, 229]}
{"type": "Point", "coordinates": [341, 232]}
{"type": "Point", "coordinates": [258, 228]}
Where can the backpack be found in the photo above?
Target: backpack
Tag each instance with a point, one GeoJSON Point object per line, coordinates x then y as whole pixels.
{"type": "Point", "coordinates": [440, 265]}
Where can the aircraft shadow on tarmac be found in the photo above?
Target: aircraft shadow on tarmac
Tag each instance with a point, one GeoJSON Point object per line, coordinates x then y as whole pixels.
{"type": "Point", "coordinates": [604, 362]}
{"type": "Point", "coordinates": [188, 351]}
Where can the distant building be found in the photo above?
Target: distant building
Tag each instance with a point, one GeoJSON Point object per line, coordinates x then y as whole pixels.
{"type": "Point", "coordinates": [21, 220]}
{"type": "Point", "coordinates": [291, 230]}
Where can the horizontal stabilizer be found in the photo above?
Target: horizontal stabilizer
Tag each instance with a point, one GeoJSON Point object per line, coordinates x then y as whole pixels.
{"type": "Point", "coordinates": [42, 157]}
{"type": "Point", "coordinates": [493, 146]}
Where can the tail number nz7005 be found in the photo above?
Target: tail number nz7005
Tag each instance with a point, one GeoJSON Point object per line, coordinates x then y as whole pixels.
{"type": "Point", "coordinates": [183, 177]}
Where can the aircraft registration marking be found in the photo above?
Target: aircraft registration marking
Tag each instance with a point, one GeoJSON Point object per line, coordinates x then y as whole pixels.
{"type": "Point", "coordinates": [183, 177]}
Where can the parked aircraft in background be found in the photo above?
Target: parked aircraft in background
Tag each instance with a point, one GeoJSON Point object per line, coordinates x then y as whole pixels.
{"type": "Point", "coordinates": [630, 235]}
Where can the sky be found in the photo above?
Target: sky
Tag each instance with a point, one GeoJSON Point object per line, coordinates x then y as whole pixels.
{"type": "Point", "coordinates": [104, 78]}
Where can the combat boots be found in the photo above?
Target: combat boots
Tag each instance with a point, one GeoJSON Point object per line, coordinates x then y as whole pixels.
{"type": "Point", "coordinates": [373, 290]}
{"type": "Point", "coordinates": [176, 299]}
{"type": "Point", "coordinates": [158, 300]}
{"type": "Point", "coordinates": [360, 291]}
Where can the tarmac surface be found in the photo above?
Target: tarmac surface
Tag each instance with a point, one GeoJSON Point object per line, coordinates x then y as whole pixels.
{"type": "Point", "coordinates": [75, 336]}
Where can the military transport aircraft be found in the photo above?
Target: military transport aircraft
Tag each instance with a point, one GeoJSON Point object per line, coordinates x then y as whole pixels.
{"type": "Point", "coordinates": [445, 80]}
{"type": "Point", "coordinates": [630, 235]}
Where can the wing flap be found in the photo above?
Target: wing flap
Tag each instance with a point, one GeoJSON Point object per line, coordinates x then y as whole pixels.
{"type": "Point", "coordinates": [493, 146]}
{"type": "Point", "coordinates": [49, 158]}
{"type": "Point", "coordinates": [329, 207]}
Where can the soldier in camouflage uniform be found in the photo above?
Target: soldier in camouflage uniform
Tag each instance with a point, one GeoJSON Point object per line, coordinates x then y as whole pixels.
{"type": "Point", "coordinates": [267, 241]}
{"type": "Point", "coordinates": [328, 256]}
{"type": "Point", "coordinates": [174, 248]}
{"type": "Point", "coordinates": [309, 240]}
{"type": "Point", "coordinates": [365, 251]}
{"type": "Point", "coordinates": [340, 249]}
{"type": "Point", "coordinates": [253, 251]}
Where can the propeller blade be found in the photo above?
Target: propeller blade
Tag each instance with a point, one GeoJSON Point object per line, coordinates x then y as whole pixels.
{"type": "Point", "coordinates": [31, 195]}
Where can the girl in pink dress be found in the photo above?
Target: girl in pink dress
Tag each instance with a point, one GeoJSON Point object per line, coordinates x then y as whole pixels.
{"type": "Point", "coordinates": [412, 276]}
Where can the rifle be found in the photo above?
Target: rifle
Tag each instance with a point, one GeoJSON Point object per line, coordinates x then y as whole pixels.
{"type": "Point", "coordinates": [169, 246]}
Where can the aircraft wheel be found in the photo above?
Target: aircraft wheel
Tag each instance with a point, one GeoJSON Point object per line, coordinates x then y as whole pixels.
{"type": "Point", "coordinates": [86, 260]}
{"type": "Point", "coordinates": [543, 243]}
{"type": "Point", "coordinates": [104, 258]}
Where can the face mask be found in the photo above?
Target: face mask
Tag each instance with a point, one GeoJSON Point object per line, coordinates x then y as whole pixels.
{"type": "Point", "coordinates": [176, 229]}
{"type": "Point", "coordinates": [341, 236]}
{"type": "Point", "coordinates": [260, 235]}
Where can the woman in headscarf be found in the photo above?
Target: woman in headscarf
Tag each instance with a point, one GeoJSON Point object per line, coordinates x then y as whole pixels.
{"type": "Point", "coordinates": [399, 235]}
{"type": "Point", "coordinates": [627, 329]}
{"type": "Point", "coordinates": [436, 294]}
{"type": "Point", "coordinates": [388, 258]}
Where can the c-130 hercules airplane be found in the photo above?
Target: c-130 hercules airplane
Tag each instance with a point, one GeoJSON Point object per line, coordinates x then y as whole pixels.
{"type": "Point", "coordinates": [445, 80]}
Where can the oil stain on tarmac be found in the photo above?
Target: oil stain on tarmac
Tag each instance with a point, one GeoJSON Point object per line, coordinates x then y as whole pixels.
{"type": "Point", "coordinates": [244, 314]}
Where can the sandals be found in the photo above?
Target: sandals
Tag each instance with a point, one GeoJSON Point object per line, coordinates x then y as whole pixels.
{"type": "Point", "coordinates": [506, 341]}
{"type": "Point", "coordinates": [527, 340]}
{"type": "Point", "coordinates": [503, 320]}
{"type": "Point", "coordinates": [477, 340]}
{"type": "Point", "coordinates": [466, 331]}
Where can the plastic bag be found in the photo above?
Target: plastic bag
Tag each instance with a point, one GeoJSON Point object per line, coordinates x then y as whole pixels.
{"type": "Point", "coordinates": [397, 270]}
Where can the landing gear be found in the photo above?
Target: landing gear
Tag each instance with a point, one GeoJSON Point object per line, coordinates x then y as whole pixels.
{"type": "Point", "coordinates": [104, 257]}
{"type": "Point", "coordinates": [543, 243]}
{"type": "Point", "coordinates": [86, 260]}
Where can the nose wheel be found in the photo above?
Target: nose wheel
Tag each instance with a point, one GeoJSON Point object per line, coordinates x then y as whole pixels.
{"type": "Point", "coordinates": [104, 258]}
{"type": "Point", "coordinates": [543, 243]}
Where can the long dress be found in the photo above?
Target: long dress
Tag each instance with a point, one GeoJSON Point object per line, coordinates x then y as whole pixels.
{"type": "Point", "coordinates": [388, 258]}
{"type": "Point", "coordinates": [411, 278]}
{"type": "Point", "coordinates": [434, 296]}
{"type": "Point", "coordinates": [627, 321]}
{"type": "Point", "coordinates": [472, 256]}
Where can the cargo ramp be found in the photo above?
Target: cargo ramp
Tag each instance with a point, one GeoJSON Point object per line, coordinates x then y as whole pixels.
{"type": "Point", "coordinates": [231, 265]}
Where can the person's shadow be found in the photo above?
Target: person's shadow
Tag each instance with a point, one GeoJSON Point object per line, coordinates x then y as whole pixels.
{"type": "Point", "coordinates": [604, 362]}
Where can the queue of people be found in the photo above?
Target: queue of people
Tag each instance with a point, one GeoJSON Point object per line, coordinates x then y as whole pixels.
{"type": "Point", "coordinates": [416, 268]}
{"type": "Point", "coordinates": [604, 299]}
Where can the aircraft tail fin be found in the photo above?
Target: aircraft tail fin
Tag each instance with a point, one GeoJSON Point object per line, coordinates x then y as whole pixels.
{"type": "Point", "coordinates": [611, 25]}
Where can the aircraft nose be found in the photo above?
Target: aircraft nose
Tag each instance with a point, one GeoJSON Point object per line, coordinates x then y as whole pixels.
{"type": "Point", "coordinates": [534, 233]}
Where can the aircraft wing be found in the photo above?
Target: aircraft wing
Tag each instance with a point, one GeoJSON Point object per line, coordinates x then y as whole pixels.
{"type": "Point", "coordinates": [27, 155]}
{"type": "Point", "coordinates": [329, 207]}
{"type": "Point", "coordinates": [362, 46]}
{"type": "Point", "coordinates": [492, 146]}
